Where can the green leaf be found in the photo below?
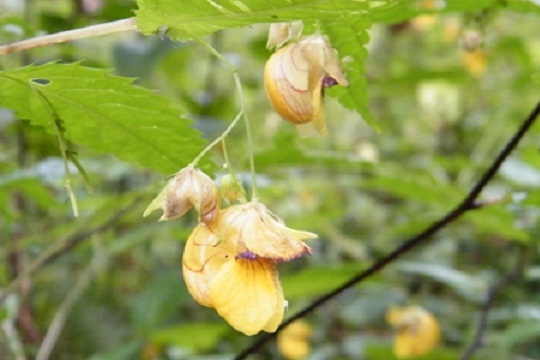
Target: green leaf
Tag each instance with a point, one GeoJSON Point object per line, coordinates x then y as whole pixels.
{"type": "Point", "coordinates": [468, 286]}
{"type": "Point", "coordinates": [349, 36]}
{"type": "Point", "coordinates": [197, 336]}
{"type": "Point", "coordinates": [317, 280]}
{"type": "Point", "coordinates": [194, 18]}
{"type": "Point", "coordinates": [104, 112]}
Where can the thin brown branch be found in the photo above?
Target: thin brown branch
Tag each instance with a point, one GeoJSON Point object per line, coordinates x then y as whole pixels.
{"type": "Point", "coordinates": [491, 296]}
{"type": "Point", "coordinates": [467, 204]}
{"type": "Point", "coordinates": [70, 35]}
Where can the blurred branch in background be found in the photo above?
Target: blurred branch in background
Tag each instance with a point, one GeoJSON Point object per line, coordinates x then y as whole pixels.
{"type": "Point", "coordinates": [84, 281]}
{"type": "Point", "coordinates": [491, 296]}
{"type": "Point", "coordinates": [65, 246]}
{"type": "Point", "coordinates": [469, 203]}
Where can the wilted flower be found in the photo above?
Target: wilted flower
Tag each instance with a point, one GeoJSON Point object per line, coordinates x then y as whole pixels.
{"type": "Point", "coordinates": [295, 77]}
{"type": "Point", "coordinates": [252, 227]}
{"type": "Point", "coordinates": [417, 331]}
{"type": "Point", "coordinates": [239, 278]}
{"type": "Point", "coordinates": [187, 189]}
{"type": "Point", "coordinates": [293, 341]}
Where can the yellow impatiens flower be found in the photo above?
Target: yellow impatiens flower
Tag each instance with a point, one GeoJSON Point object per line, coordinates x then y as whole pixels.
{"type": "Point", "coordinates": [189, 188]}
{"type": "Point", "coordinates": [230, 265]}
{"type": "Point", "coordinates": [293, 341]}
{"type": "Point", "coordinates": [295, 77]}
{"type": "Point", "coordinates": [417, 331]}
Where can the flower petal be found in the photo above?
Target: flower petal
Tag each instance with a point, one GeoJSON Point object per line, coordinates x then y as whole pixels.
{"type": "Point", "coordinates": [203, 257]}
{"type": "Point", "coordinates": [253, 227]}
{"type": "Point", "coordinates": [247, 294]}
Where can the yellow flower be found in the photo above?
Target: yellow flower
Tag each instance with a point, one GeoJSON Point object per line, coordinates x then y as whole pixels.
{"type": "Point", "coordinates": [293, 341]}
{"type": "Point", "coordinates": [230, 265]}
{"type": "Point", "coordinates": [417, 331]}
{"type": "Point", "coordinates": [187, 189]}
{"type": "Point", "coordinates": [244, 290]}
{"type": "Point", "coordinates": [295, 77]}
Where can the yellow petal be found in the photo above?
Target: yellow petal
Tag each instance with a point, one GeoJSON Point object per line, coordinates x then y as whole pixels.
{"type": "Point", "coordinates": [203, 257]}
{"type": "Point", "coordinates": [247, 294]}
{"type": "Point", "coordinates": [253, 227]}
{"type": "Point", "coordinates": [286, 85]}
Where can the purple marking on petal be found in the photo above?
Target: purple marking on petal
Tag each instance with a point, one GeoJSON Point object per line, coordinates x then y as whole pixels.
{"type": "Point", "coordinates": [248, 255]}
{"type": "Point", "coordinates": [328, 81]}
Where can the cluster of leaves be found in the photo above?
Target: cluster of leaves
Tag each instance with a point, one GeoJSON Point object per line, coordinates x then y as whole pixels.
{"type": "Point", "coordinates": [433, 126]}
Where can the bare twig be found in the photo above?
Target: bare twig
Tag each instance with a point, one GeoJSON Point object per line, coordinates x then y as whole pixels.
{"type": "Point", "coordinates": [491, 295]}
{"type": "Point", "coordinates": [84, 281]}
{"type": "Point", "coordinates": [70, 35]}
{"type": "Point", "coordinates": [62, 247]}
{"type": "Point", "coordinates": [467, 204]}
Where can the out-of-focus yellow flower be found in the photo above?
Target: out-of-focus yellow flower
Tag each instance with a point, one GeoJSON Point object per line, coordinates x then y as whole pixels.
{"type": "Point", "coordinates": [230, 265]}
{"type": "Point", "coordinates": [293, 341]}
{"type": "Point", "coordinates": [187, 189]}
{"type": "Point", "coordinates": [295, 77]}
{"type": "Point", "coordinates": [474, 61]}
{"type": "Point", "coordinates": [417, 331]}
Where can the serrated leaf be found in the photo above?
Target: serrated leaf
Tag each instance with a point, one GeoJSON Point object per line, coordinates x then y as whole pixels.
{"type": "Point", "coordinates": [193, 18]}
{"type": "Point", "coordinates": [106, 113]}
{"type": "Point", "coordinates": [349, 36]}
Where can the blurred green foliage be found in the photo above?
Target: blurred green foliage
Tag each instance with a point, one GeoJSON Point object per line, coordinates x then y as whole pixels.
{"type": "Point", "coordinates": [447, 84]}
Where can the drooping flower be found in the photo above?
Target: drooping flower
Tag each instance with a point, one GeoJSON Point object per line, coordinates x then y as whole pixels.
{"type": "Point", "coordinates": [189, 188]}
{"type": "Point", "coordinates": [417, 331]}
{"type": "Point", "coordinates": [293, 341]}
{"type": "Point", "coordinates": [295, 77]}
{"type": "Point", "coordinates": [237, 277]}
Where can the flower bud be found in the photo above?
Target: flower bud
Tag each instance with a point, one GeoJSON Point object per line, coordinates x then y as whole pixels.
{"type": "Point", "coordinates": [187, 189]}
{"type": "Point", "coordinates": [295, 76]}
{"type": "Point", "coordinates": [231, 189]}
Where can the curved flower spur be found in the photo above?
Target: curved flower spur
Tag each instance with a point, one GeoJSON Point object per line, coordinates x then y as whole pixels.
{"type": "Point", "coordinates": [296, 75]}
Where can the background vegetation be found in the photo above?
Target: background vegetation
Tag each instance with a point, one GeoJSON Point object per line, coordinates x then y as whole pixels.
{"type": "Point", "coordinates": [438, 89]}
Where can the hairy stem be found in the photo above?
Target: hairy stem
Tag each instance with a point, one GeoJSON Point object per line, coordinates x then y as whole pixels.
{"type": "Point", "coordinates": [240, 92]}
{"type": "Point", "coordinates": [70, 35]}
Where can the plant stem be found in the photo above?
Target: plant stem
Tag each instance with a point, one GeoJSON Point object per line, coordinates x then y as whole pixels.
{"type": "Point", "coordinates": [218, 139]}
{"type": "Point", "coordinates": [70, 35]}
{"type": "Point", "coordinates": [238, 85]}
